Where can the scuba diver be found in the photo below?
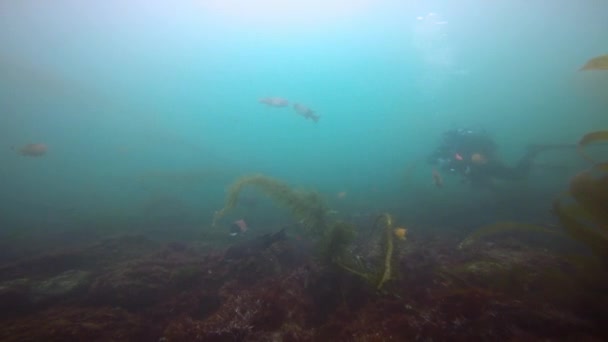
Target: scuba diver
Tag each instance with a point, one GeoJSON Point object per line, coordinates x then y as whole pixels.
{"type": "Point", "coordinates": [473, 155]}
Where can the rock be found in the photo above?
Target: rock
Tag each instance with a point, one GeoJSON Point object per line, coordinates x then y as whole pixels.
{"type": "Point", "coordinates": [62, 285]}
{"type": "Point", "coordinates": [14, 297]}
{"type": "Point", "coordinates": [132, 285]}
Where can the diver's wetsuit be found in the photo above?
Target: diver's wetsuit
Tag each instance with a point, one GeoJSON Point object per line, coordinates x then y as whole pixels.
{"type": "Point", "coordinates": [458, 150]}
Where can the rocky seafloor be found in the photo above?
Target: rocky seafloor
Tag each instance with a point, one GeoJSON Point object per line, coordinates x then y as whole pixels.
{"type": "Point", "coordinates": [133, 288]}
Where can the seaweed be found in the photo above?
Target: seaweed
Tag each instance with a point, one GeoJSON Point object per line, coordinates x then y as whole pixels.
{"type": "Point", "coordinates": [333, 239]}
{"type": "Point", "coordinates": [334, 245]}
{"type": "Point", "coordinates": [583, 209]}
{"type": "Point", "coordinates": [307, 207]}
{"type": "Point", "coordinates": [381, 272]}
{"type": "Point", "coordinates": [590, 189]}
{"type": "Point", "coordinates": [596, 63]}
{"type": "Point", "coordinates": [589, 138]}
{"type": "Point", "coordinates": [389, 248]}
{"type": "Point", "coordinates": [501, 227]}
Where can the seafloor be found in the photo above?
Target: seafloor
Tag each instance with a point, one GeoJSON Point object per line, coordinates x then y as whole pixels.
{"type": "Point", "coordinates": [134, 288]}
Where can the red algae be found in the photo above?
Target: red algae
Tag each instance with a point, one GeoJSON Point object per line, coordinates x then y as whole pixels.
{"type": "Point", "coordinates": [75, 324]}
{"type": "Point", "coordinates": [177, 293]}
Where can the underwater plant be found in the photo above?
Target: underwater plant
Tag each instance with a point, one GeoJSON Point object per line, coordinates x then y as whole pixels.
{"type": "Point", "coordinates": [583, 209]}
{"type": "Point", "coordinates": [502, 227]}
{"type": "Point", "coordinates": [333, 247]}
{"type": "Point", "coordinates": [596, 63]}
{"type": "Point", "coordinates": [389, 248]}
{"type": "Point", "coordinates": [333, 239]}
{"type": "Point", "coordinates": [307, 207]}
{"type": "Point", "coordinates": [589, 138]}
{"type": "Point", "coordinates": [380, 272]}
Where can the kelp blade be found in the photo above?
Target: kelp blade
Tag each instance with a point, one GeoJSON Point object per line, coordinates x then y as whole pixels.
{"type": "Point", "coordinates": [589, 138]}
{"type": "Point", "coordinates": [502, 227]}
{"type": "Point", "coordinates": [596, 63]}
{"type": "Point", "coordinates": [590, 189]}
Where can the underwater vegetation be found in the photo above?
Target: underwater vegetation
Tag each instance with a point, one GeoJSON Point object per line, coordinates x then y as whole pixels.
{"type": "Point", "coordinates": [590, 138]}
{"type": "Point", "coordinates": [333, 239]}
{"type": "Point", "coordinates": [379, 269]}
{"type": "Point", "coordinates": [596, 63]}
{"type": "Point", "coordinates": [334, 246]}
{"type": "Point", "coordinates": [358, 285]}
{"type": "Point", "coordinates": [306, 206]}
{"type": "Point", "coordinates": [502, 227]}
{"type": "Point", "coordinates": [571, 279]}
{"type": "Point", "coordinates": [583, 209]}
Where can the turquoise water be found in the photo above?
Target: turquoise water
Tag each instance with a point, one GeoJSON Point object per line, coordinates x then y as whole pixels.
{"type": "Point", "coordinates": [150, 108]}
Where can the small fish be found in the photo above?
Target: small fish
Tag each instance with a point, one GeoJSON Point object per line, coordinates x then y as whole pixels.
{"type": "Point", "coordinates": [33, 150]}
{"type": "Point", "coordinates": [437, 180]}
{"type": "Point", "coordinates": [400, 233]}
{"type": "Point", "coordinates": [238, 227]}
{"type": "Point", "coordinates": [273, 101]}
{"type": "Point", "coordinates": [305, 112]}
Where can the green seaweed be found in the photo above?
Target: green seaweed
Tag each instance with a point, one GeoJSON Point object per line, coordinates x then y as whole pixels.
{"type": "Point", "coordinates": [583, 209]}
{"type": "Point", "coordinates": [382, 271]}
{"type": "Point", "coordinates": [589, 138]}
{"type": "Point", "coordinates": [502, 227]}
{"type": "Point", "coordinates": [334, 245]}
{"type": "Point", "coordinates": [333, 239]}
{"type": "Point", "coordinates": [308, 207]}
{"type": "Point", "coordinates": [386, 273]}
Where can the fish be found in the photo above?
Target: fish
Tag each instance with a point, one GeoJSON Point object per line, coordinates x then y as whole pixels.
{"type": "Point", "coordinates": [305, 112]}
{"type": "Point", "coordinates": [400, 233]}
{"type": "Point", "coordinates": [597, 63]}
{"type": "Point", "coordinates": [238, 227]}
{"type": "Point", "coordinates": [437, 180]}
{"type": "Point", "coordinates": [254, 246]}
{"type": "Point", "coordinates": [273, 101]}
{"type": "Point", "coordinates": [33, 150]}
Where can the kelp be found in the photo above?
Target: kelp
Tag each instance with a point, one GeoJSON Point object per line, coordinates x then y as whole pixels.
{"type": "Point", "coordinates": [385, 275]}
{"type": "Point", "coordinates": [308, 207]}
{"type": "Point", "coordinates": [572, 217]}
{"type": "Point", "coordinates": [502, 227]}
{"type": "Point", "coordinates": [575, 217]}
{"type": "Point", "coordinates": [511, 278]}
{"type": "Point", "coordinates": [333, 239]}
{"type": "Point", "coordinates": [589, 138]}
{"type": "Point", "coordinates": [590, 189]}
{"type": "Point", "coordinates": [596, 63]}
{"type": "Point", "coordinates": [583, 209]}
{"type": "Point", "coordinates": [382, 272]}
{"type": "Point", "coordinates": [334, 245]}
